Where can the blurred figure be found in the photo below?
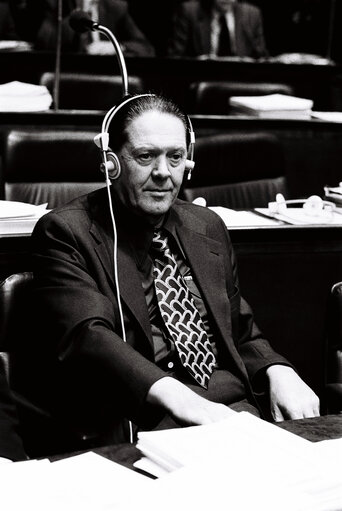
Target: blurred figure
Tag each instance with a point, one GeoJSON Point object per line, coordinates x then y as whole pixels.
{"type": "Point", "coordinates": [7, 31]}
{"type": "Point", "coordinates": [218, 28]}
{"type": "Point", "coordinates": [36, 21]}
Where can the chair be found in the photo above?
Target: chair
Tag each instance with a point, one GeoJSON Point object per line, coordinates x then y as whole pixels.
{"type": "Point", "coordinates": [333, 379]}
{"type": "Point", "coordinates": [238, 171]}
{"type": "Point", "coordinates": [43, 431]}
{"type": "Point", "coordinates": [34, 421]}
{"type": "Point", "coordinates": [80, 91]}
{"type": "Point", "coordinates": [213, 97]}
{"type": "Point", "coordinates": [49, 165]}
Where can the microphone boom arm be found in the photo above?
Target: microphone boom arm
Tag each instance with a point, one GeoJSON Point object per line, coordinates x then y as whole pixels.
{"type": "Point", "coordinates": [119, 54]}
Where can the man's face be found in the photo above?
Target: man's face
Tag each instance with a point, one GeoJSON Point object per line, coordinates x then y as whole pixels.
{"type": "Point", "coordinates": [223, 5]}
{"type": "Point", "coordinates": [152, 162]}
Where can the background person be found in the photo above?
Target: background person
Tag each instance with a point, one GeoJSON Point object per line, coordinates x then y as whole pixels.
{"type": "Point", "coordinates": [217, 28]}
{"type": "Point", "coordinates": [36, 21]}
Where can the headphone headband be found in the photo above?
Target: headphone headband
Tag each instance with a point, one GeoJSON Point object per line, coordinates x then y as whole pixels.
{"type": "Point", "coordinates": [110, 162]}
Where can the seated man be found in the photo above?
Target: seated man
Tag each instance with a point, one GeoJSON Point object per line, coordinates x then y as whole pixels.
{"type": "Point", "coordinates": [180, 346]}
{"type": "Point", "coordinates": [11, 447]}
{"type": "Point", "coordinates": [36, 21]}
{"type": "Point", "coordinates": [217, 28]}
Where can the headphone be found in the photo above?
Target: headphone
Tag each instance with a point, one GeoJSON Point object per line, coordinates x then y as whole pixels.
{"type": "Point", "coordinates": [110, 165]}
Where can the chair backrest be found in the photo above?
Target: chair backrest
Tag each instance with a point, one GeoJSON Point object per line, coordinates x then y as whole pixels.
{"type": "Point", "coordinates": [81, 91]}
{"type": "Point", "coordinates": [43, 432]}
{"type": "Point", "coordinates": [49, 165]}
{"type": "Point", "coordinates": [334, 350]}
{"type": "Point", "coordinates": [239, 171]}
{"type": "Point", "coordinates": [213, 97]}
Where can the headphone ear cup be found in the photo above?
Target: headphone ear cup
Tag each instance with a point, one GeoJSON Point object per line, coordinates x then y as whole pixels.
{"type": "Point", "coordinates": [112, 165]}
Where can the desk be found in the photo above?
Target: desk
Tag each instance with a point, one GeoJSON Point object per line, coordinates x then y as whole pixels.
{"type": "Point", "coordinates": [172, 76]}
{"type": "Point", "coordinates": [319, 428]}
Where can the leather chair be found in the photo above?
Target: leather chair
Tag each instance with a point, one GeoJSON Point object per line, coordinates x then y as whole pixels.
{"type": "Point", "coordinates": [44, 432]}
{"type": "Point", "coordinates": [49, 165]}
{"type": "Point", "coordinates": [238, 171]}
{"type": "Point", "coordinates": [81, 91]}
{"type": "Point", "coordinates": [333, 379]}
{"type": "Point", "coordinates": [213, 97]}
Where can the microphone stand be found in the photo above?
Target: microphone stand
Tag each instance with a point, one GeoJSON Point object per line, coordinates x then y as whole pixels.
{"type": "Point", "coordinates": [58, 57]}
{"type": "Point", "coordinates": [119, 54]}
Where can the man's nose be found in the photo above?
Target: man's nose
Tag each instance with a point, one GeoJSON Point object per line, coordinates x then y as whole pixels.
{"type": "Point", "coordinates": [161, 168]}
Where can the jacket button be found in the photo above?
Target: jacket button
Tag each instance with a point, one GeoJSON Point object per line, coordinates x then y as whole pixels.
{"type": "Point", "coordinates": [170, 365]}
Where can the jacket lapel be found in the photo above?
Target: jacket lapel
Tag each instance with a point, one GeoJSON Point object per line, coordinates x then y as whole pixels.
{"type": "Point", "coordinates": [131, 290]}
{"type": "Point", "coordinates": [207, 266]}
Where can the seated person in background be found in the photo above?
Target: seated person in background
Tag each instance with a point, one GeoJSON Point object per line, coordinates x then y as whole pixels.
{"type": "Point", "coordinates": [7, 30]}
{"type": "Point", "coordinates": [36, 21]}
{"type": "Point", "coordinates": [190, 352]}
{"type": "Point", "coordinates": [217, 28]}
{"type": "Point", "coordinates": [11, 447]}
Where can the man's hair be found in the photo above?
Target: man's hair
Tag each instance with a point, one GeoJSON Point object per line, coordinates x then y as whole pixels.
{"type": "Point", "coordinates": [118, 127]}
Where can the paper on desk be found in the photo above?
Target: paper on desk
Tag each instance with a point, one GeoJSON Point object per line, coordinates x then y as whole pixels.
{"type": "Point", "coordinates": [15, 209]}
{"type": "Point", "coordinates": [234, 218]}
{"type": "Point", "coordinates": [86, 482]}
{"type": "Point", "coordinates": [299, 216]}
{"type": "Point", "coordinates": [24, 97]}
{"type": "Point", "coordinates": [327, 116]}
{"type": "Point", "coordinates": [248, 450]}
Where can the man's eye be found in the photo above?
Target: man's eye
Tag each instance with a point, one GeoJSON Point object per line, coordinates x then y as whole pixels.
{"type": "Point", "coordinates": [145, 157]}
{"type": "Point", "coordinates": [176, 158]}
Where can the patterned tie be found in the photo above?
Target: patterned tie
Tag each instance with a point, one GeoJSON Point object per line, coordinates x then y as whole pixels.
{"type": "Point", "coordinates": [180, 315]}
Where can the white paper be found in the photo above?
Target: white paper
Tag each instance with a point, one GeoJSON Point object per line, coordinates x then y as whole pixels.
{"type": "Point", "coordinates": [271, 102]}
{"type": "Point", "coordinates": [24, 97]}
{"type": "Point", "coordinates": [234, 218]}
{"type": "Point", "coordinates": [14, 209]}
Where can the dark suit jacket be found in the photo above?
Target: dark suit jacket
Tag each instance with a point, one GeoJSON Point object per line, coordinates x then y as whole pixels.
{"type": "Point", "coordinates": [36, 20]}
{"type": "Point", "coordinates": [10, 443]}
{"type": "Point", "coordinates": [81, 332]}
{"type": "Point", "coordinates": [191, 32]}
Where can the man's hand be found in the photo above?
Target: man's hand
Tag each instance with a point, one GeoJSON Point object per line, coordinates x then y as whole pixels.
{"type": "Point", "coordinates": [184, 405]}
{"type": "Point", "coordinates": [290, 397]}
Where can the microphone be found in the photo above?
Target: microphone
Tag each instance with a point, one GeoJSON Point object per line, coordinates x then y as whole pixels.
{"type": "Point", "coordinates": [81, 22]}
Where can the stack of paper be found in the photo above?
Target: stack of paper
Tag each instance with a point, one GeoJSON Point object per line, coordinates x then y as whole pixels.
{"type": "Point", "coordinates": [24, 97]}
{"type": "Point", "coordinates": [19, 217]}
{"type": "Point", "coordinates": [243, 463]}
{"type": "Point", "coordinates": [273, 105]}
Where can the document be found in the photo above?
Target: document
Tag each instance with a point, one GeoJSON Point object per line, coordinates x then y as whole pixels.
{"type": "Point", "coordinates": [233, 218]}
{"type": "Point", "coordinates": [24, 97]}
{"type": "Point", "coordinates": [248, 463]}
{"type": "Point", "coordinates": [17, 218]}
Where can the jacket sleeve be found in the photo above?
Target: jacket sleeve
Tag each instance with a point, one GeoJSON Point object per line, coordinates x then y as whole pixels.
{"type": "Point", "coordinates": [80, 326]}
{"type": "Point", "coordinates": [255, 351]}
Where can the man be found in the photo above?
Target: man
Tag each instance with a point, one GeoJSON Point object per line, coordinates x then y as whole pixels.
{"type": "Point", "coordinates": [11, 447]}
{"type": "Point", "coordinates": [102, 370]}
{"type": "Point", "coordinates": [36, 21]}
{"type": "Point", "coordinates": [217, 28]}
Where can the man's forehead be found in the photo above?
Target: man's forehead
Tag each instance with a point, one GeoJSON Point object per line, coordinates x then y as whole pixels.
{"type": "Point", "coordinates": [157, 127]}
